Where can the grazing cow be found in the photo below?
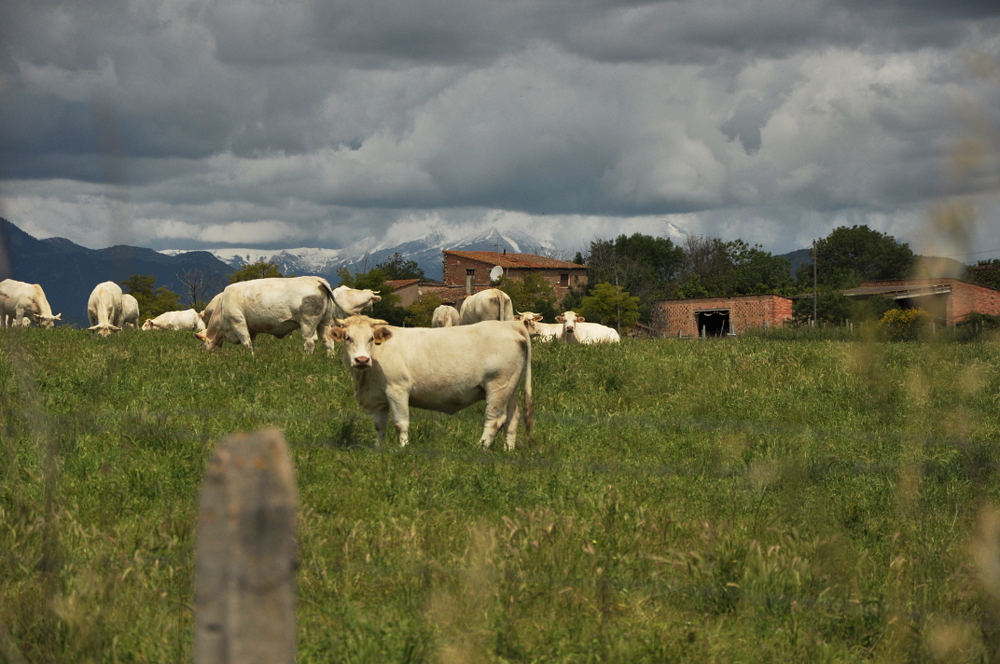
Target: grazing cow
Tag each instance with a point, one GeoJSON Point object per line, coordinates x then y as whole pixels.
{"type": "Point", "coordinates": [187, 320]}
{"type": "Point", "coordinates": [445, 316]}
{"type": "Point", "coordinates": [543, 332]}
{"type": "Point", "coordinates": [130, 311]}
{"type": "Point", "coordinates": [276, 306]}
{"type": "Point", "coordinates": [490, 304]}
{"type": "Point", "coordinates": [104, 309]}
{"type": "Point", "coordinates": [20, 301]}
{"type": "Point", "coordinates": [445, 369]}
{"type": "Point", "coordinates": [353, 301]}
{"type": "Point", "coordinates": [576, 331]}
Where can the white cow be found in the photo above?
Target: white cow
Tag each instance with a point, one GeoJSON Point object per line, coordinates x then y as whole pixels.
{"type": "Point", "coordinates": [206, 313]}
{"type": "Point", "coordinates": [576, 331]}
{"type": "Point", "coordinates": [130, 310]}
{"type": "Point", "coordinates": [20, 301]}
{"type": "Point", "coordinates": [187, 320]}
{"type": "Point", "coordinates": [444, 369]}
{"type": "Point", "coordinates": [276, 306]}
{"type": "Point", "coordinates": [353, 301]}
{"type": "Point", "coordinates": [543, 332]}
{"type": "Point", "coordinates": [104, 309]}
{"type": "Point", "coordinates": [490, 304]}
{"type": "Point", "coordinates": [445, 316]}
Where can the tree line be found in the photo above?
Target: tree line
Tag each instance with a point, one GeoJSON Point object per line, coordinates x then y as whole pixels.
{"type": "Point", "coordinates": [625, 275]}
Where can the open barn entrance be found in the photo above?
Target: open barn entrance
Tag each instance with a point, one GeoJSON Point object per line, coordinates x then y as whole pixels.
{"type": "Point", "coordinates": [712, 323]}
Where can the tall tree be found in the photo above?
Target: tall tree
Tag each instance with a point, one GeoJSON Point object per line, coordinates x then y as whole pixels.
{"type": "Point", "coordinates": [612, 306]}
{"type": "Point", "coordinates": [640, 264]}
{"type": "Point", "coordinates": [398, 267]}
{"type": "Point", "coordinates": [848, 256]}
{"type": "Point", "coordinates": [151, 303]}
{"type": "Point", "coordinates": [260, 270]}
{"type": "Point", "coordinates": [199, 286]}
{"type": "Point", "coordinates": [713, 268]}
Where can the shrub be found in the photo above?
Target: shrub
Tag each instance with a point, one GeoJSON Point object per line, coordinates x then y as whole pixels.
{"type": "Point", "coordinates": [904, 324]}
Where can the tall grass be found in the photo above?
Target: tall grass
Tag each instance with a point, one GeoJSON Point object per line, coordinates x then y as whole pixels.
{"type": "Point", "coordinates": [745, 499]}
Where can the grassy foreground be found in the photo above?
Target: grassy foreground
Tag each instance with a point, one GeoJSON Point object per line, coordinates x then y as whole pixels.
{"type": "Point", "coordinates": [742, 500]}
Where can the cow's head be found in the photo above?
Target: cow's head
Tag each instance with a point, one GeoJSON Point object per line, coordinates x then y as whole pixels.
{"type": "Point", "coordinates": [529, 319]}
{"type": "Point", "coordinates": [148, 325]}
{"type": "Point", "coordinates": [207, 342]}
{"type": "Point", "coordinates": [569, 319]}
{"type": "Point", "coordinates": [104, 330]}
{"type": "Point", "coordinates": [47, 322]}
{"type": "Point", "coordinates": [360, 335]}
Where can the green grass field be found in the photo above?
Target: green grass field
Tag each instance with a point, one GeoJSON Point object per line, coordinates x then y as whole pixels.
{"type": "Point", "coordinates": [740, 500]}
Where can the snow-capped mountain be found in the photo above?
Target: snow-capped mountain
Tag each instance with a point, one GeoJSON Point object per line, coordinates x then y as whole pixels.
{"type": "Point", "coordinates": [361, 257]}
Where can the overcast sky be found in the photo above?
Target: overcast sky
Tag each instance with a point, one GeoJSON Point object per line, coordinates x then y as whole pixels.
{"type": "Point", "coordinates": [288, 123]}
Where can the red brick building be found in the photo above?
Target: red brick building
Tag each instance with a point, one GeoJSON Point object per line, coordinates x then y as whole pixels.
{"type": "Point", "coordinates": [718, 316]}
{"type": "Point", "coordinates": [947, 299]}
{"type": "Point", "coordinates": [471, 269]}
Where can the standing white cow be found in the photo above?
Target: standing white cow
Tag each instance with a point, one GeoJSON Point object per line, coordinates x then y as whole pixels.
{"type": "Point", "coordinates": [187, 320]}
{"type": "Point", "coordinates": [576, 331]}
{"type": "Point", "coordinates": [353, 301]}
{"type": "Point", "coordinates": [544, 332]}
{"type": "Point", "coordinates": [490, 304]}
{"type": "Point", "coordinates": [130, 310]}
{"type": "Point", "coordinates": [104, 309]}
{"type": "Point", "coordinates": [276, 306]}
{"type": "Point", "coordinates": [445, 370]}
{"type": "Point", "coordinates": [20, 301]}
{"type": "Point", "coordinates": [445, 316]}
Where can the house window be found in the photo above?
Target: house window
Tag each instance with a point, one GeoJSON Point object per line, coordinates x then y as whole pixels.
{"type": "Point", "coordinates": [564, 280]}
{"type": "Point", "coordinates": [470, 272]}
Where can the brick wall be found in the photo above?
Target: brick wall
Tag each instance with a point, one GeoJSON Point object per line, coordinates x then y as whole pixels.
{"type": "Point", "coordinates": [967, 298]}
{"type": "Point", "coordinates": [673, 316]}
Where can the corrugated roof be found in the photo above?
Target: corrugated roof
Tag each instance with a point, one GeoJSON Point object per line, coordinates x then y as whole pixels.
{"type": "Point", "coordinates": [514, 260]}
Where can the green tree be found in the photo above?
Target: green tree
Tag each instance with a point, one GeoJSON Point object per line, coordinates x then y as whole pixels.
{"type": "Point", "coordinates": [638, 263]}
{"type": "Point", "coordinates": [848, 256]}
{"type": "Point", "coordinates": [611, 306]}
{"type": "Point", "coordinates": [398, 267]}
{"type": "Point", "coordinates": [152, 303]}
{"type": "Point", "coordinates": [832, 308]}
{"type": "Point", "coordinates": [419, 313]}
{"type": "Point", "coordinates": [532, 293]}
{"type": "Point", "coordinates": [986, 273]}
{"type": "Point", "coordinates": [714, 268]}
{"type": "Point", "coordinates": [260, 270]}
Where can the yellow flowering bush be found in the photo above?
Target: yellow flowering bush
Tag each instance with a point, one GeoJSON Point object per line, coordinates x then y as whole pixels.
{"type": "Point", "coordinates": [904, 324]}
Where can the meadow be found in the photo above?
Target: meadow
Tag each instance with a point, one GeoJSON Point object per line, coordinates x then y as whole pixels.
{"type": "Point", "coordinates": [735, 500]}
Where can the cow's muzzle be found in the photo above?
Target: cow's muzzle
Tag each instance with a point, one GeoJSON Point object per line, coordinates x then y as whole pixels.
{"type": "Point", "coordinates": [362, 362]}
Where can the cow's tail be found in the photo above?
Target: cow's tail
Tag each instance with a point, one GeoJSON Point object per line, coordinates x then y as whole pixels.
{"type": "Point", "coordinates": [529, 405]}
{"type": "Point", "coordinates": [324, 285]}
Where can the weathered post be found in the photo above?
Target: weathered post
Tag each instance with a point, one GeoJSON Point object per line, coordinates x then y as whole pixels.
{"type": "Point", "coordinates": [247, 553]}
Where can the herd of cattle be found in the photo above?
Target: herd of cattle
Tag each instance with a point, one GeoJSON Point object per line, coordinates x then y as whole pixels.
{"type": "Point", "coordinates": [479, 353]}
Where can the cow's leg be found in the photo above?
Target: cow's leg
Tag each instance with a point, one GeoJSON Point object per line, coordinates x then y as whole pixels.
{"type": "Point", "coordinates": [321, 332]}
{"type": "Point", "coordinates": [510, 426]}
{"type": "Point", "coordinates": [381, 420]}
{"type": "Point", "coordinates": [308, 335]}
{"type": "Point", "coordinates": [496, 415]}
{"type": "Point", "coordinates": [399, 404]}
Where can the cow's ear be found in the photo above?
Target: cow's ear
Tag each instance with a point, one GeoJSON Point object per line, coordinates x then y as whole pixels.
{"type": "Point", "coordinates": [200, 335]}
{"type": "Point", "coordinates": [580, 319]}
{"type": "Point", "coordinates": [382, 334]}
{"type": "Point", "coordinates": [57, 317]}
{"type": "Point", "coordinates": [538, 318]}
{"type": "Point", "coordinates": [93, 328]}
{"type": "Point", "coordinates": [336, 333]}
{"type": "Point", "coordinates": [560, 319]}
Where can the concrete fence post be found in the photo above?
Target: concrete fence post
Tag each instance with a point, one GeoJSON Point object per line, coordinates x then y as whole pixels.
{"type": "Point", "coordinates": [247, 553]}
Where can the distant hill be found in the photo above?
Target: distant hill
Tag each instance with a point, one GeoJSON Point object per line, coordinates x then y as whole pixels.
{"type": "Point", "coordinates": [68, 272]}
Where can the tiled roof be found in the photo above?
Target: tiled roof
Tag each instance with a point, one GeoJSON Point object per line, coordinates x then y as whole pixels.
{"type": "Point", "coordinates": [514, 260]}
{"type": "Point", "coordinates": [396, 284]}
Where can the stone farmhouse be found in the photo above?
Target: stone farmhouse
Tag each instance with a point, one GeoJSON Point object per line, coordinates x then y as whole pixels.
{"type": "Point", "coordinates": [947, 299]}
{"type": "Point", "coordinates": [471, 269]}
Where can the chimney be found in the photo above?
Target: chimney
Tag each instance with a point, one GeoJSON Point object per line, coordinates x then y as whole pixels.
{"type": "Point", "coordinates": [469, 276]}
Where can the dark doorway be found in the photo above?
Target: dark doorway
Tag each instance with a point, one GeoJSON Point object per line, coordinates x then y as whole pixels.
{"type": "Point", "coordinates": [713, 323]}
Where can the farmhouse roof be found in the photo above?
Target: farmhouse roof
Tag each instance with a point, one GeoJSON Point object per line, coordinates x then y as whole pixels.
{"type": "Point", "coordinates": [396, 284]}
{"type": "Point", "coordinates": [514, 261]}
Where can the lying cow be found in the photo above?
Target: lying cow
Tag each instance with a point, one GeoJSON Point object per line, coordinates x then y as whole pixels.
{"type": "Point", "coordinates": [536, 328]}
{"type": "Point", "coordinates": [490, 304]}
{"type": "Point", "coordinates": [187, 320]}
{"type": "Point", "coordinates": [576, 331]}
{"type": "Point", "coordinates": [442, 369]}
{"type": "Point", "coordinates": [104, 309]}
{"type": "Point", "coordinates": [445, 316]}
{"type": "Point", "coordinates": [20, 302]}
{"type": "Point", "coordinates": [130, 311]}
{"type": "Point", "coordinates": [276, 306]}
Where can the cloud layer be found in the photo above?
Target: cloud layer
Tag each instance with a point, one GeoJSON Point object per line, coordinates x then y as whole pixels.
{"type": "Point", "coordinates": [187, 124]}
